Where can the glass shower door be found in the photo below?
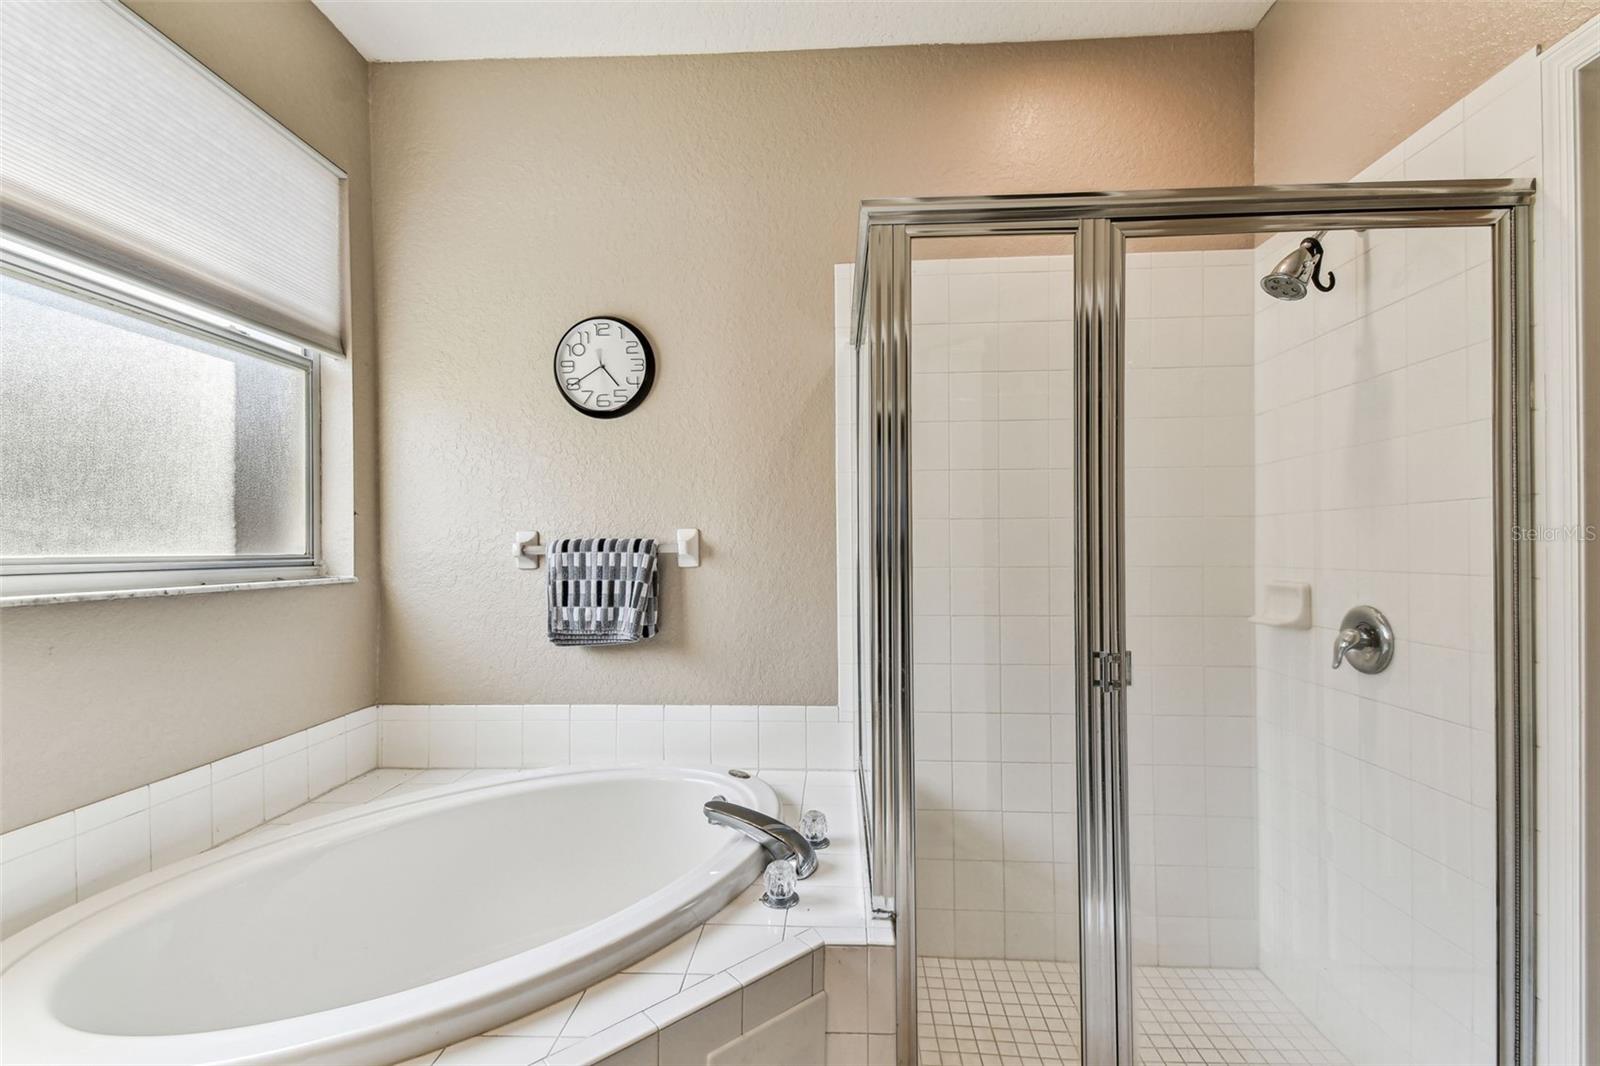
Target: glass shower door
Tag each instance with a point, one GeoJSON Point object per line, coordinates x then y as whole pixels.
{"type": "Point", "coordinates": [1277, 858]}
{"type": "Point", "coordinates": [990, 596]}
{"type": "Point", "coordinates": [1312, 846]}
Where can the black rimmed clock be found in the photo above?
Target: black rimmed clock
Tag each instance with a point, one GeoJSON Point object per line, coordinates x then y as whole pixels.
{"type": "Point", "coordinates": [604, 366]}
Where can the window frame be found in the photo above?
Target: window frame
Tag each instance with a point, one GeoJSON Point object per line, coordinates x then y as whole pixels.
{"type": "Point", "coordinates": [79, 575]}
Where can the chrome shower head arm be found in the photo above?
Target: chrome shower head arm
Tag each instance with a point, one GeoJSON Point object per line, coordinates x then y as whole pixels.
{"type": "Point", "coordinates": [1314, 246]}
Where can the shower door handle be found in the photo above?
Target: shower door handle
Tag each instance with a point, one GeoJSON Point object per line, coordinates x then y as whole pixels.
{"type": "Point", "coordinates": [1110, 669]}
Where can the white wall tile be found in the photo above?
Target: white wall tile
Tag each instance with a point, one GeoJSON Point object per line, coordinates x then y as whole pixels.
{"type": "Point", "coordinates": [1022, 297]}
{"type": "Point", "coordinates": [452, 741]}
{"type": "Point", "coordinates": [1369, 805]}
{"type": "Point", "coordinates": [973, 298]}
{"type": "Point", "coordinates": [328, 760]}
{"type": "Point", "coordinates": [403, 743]}
{"type": "Point", "coordinates": [734, 736]}
{"type": "Point", "coordinates": [361, 749]}
{"type": "Point", "coordinates": [111, 853]}
{"type": "Point", "coordinates": [594, 743]}
{"type": "Point", "coordinates": [181, 826]}
{"type": "Point", "coordinates": [37, 884]}
{"type": "Point", "coordinates": [499, 743]}
{"type": "Point", "coordinates": [828, 745]}
{"type": "Point", "coordinates": [236, 803]}
{"type": "Point", "coordinates": [686, 738]}
{"type": "Point", "coordinates": [284, 783]}
{"type": "Point", "coordinates": [781, 744]}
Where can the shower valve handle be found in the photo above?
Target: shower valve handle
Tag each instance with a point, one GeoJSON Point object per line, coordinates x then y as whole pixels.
{"type": "Point", "coordinates": [1365, 639]}
{"type": "Point", "coordinates": [1359, 636]}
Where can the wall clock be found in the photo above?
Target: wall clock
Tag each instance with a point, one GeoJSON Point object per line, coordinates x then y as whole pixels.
{"type": "Point", "coordinates": [604, 366]}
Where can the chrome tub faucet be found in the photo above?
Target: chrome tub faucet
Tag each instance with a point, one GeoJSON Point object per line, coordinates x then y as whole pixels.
{"type": "Point", "coordinates": [781, 840]}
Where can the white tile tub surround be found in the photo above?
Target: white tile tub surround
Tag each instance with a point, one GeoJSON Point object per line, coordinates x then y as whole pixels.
{"type": "Point", "coordinates": [528, 735]}
{"type": "Point", "coordinates": [1190, 558]}
{"type": "Point", "coordinates": [1373, 407]}
{"type": "Point", "coordinates": [54, 863]}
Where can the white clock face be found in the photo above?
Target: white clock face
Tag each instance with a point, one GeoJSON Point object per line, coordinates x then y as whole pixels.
{"type": "Point", "coordinates": [604, 367]}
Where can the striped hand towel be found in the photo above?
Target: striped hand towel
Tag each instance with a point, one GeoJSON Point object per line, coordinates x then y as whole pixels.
{"type": "Point", "coordinates": [603, 590]}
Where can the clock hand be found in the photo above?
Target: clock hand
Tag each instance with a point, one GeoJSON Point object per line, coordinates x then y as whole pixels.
{"type": "Point", "coordinates": [612, 376]}
{"type": "Point", "coordinates": [600, 367]}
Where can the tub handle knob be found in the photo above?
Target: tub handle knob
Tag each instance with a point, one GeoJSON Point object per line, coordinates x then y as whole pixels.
{"type": "Point", "coordinates": [814, 827]}
{"type": "Point", "coordinates": [780, 880]}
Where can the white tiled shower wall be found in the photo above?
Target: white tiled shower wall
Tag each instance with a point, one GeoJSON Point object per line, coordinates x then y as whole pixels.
{"type": "Point", "coordinates": [53, 863]}
{"type": "Point", "coordinates": [1373, 483]}
{"type": "Point", "coordinates": [992, 359]}
{"type": "Point", "coordinates": [1190, 568]}
{"type": "Point", "coordinates": [992, 553]}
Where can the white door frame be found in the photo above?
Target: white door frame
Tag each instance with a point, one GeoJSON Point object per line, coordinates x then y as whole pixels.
{"type": "Point", "coordinates": [1569, 1023]}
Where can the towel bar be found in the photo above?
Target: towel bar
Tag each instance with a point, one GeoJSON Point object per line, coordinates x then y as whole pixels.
{"type": "Point", "coordinates": [686, 548]}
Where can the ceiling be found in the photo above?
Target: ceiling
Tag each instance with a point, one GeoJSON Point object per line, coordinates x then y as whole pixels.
{"type": "Point", "coordinates": [392, 31]}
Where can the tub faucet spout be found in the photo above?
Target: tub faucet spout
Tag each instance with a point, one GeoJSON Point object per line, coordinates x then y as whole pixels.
{"type": "Point", "coordinates": [780, 840]}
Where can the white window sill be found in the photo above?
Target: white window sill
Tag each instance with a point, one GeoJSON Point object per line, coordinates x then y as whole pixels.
{"type": "Point", "coordinates": [42, 599]}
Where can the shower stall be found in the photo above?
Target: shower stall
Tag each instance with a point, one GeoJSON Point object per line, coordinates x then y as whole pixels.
{"type": "Point", "coordinates": [1186, 623]}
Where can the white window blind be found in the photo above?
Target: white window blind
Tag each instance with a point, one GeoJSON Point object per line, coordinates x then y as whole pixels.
{"type": "Point", "coordinates": [117, 147]}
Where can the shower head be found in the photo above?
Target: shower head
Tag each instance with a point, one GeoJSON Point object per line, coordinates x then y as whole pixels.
{"type": "Point", "coordinates": [1289, 279]}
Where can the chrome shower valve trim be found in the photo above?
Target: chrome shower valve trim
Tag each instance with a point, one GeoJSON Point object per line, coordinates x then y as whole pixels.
{"type": "Point", "coordinates": [1365, 640]}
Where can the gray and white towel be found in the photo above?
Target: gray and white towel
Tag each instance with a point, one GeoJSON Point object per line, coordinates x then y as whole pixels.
{"type": "Point", "coordinates": [603, 590]}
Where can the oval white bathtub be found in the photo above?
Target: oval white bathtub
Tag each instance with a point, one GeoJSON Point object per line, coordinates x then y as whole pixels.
{"type": "Point", "coordinates": [377, 934]}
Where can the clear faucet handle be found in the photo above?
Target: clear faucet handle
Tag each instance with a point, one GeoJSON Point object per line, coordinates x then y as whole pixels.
{"type": "Point", "coordinates": [814, 827]}
{"type": "Point", "coordinates": [779, 881]}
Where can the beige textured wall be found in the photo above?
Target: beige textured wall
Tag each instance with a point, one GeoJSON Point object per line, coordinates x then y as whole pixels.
{"type": "Point", "coordinates": [705, 198]}
{"type": "Point", "coordinates": [97, 698]}
{"type": "Point", "coordinates": [1340, 82]}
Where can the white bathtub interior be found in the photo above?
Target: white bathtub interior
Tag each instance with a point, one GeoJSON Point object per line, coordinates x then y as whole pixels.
{"type": "Point", "coordinates": [462, 886]}
{"type": "Point", "coordinates": [440, 902]}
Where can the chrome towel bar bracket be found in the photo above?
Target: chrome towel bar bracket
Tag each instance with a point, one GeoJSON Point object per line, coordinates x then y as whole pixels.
{"type": "Point", "coordinates": [686, 546]}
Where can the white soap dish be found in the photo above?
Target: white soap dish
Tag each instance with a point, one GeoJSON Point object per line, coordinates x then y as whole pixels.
{"type": "Point", "coordinates": [1286, 604]}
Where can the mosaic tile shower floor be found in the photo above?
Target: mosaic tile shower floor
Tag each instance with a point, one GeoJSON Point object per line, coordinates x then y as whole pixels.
{"type": "Point", "coordinates": [992, 1012]}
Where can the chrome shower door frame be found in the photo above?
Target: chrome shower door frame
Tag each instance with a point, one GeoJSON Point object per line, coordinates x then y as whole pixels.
{"type": "Point", "coordinates": [881, 330]}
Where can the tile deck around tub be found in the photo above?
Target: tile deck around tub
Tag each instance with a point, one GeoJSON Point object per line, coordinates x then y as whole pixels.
{"type": "Point", "coordinates": [729, 955]}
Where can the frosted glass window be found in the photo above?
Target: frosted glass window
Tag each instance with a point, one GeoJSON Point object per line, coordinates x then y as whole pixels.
{"type": "Point", "coordinates": [123, 438]}
{"type": "Point", "coordinates": [120, 149]}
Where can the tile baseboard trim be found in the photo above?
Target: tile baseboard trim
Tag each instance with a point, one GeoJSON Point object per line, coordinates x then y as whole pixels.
{"type": "Point", "coordinates": [525, 736]}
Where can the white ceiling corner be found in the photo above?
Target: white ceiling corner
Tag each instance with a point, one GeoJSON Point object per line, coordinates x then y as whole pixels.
{"type": "Point", "coordinates": [392, 31]}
